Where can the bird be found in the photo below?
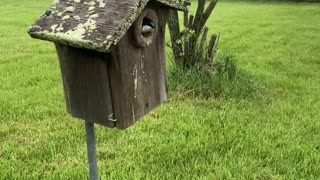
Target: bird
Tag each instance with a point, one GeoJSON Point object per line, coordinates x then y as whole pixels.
{"type": "Point", "coordinates": [148, 27]}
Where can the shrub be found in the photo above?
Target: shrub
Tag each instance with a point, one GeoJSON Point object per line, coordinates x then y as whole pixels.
{"type": "Point", "coordinates": [204, 80]}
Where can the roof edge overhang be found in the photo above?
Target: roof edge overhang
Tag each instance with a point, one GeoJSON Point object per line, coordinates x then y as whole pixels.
{"type": "Point", "coordinates": [78, 43]}
{"type": "Point", "coordinates": [110, 40]}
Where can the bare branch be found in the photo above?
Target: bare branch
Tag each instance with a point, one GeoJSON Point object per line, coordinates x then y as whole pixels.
{"type": "Point", "coordinates": [185, 18]}
{"type": "Point", "coordinates": [190, 21]}
{"type": "Point", "coordinates": [208, 11]}
{"type": "Point", "coordinates": [197, 20]}
{"type": "Point", "coordinates": [175, 34]}
{"type": "Point", "coordinates": [211, 46]}
{"type": "Point", "coordinates": [203, 41]}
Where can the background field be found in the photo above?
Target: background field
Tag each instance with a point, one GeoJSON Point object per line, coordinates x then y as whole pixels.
{"type": "Point", "coordinates": [266, 128]}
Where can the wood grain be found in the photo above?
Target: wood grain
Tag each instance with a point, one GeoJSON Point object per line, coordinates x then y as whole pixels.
{"type": "Point", "coordinates": [86, 84]}
{"type": "Point", "coordinates": [138, 75]}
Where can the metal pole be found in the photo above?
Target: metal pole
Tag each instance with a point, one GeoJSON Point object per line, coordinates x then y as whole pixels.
{"type": "Point", "coordinates": [91, 148]}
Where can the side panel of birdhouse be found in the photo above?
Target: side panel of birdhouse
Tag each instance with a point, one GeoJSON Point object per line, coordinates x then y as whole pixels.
{"type": "Point", "coordinates": [86, 84]}
{"type": "Point", "coordinates": [138, 74]}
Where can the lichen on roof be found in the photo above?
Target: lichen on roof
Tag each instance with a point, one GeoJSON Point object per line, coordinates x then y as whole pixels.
{"type": "Point", "coordinates": [91, 24]}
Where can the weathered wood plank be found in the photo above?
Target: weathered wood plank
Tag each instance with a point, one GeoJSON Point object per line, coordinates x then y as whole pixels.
{"type": "Point", "coordinates": [138, 75]}
{"type": "Point", "coordinates": [86, 84]}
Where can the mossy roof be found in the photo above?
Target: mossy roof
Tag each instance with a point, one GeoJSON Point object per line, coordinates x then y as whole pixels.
{"type": "Point", "coordinates": [91, 24]}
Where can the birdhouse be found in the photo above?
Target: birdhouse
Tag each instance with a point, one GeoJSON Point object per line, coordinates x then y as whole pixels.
{"type": "Point", "coordinates": [111, 54]}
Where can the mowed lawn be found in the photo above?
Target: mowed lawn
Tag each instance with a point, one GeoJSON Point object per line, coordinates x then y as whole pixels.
{"type": "Point", "coordinates": [268, 129]}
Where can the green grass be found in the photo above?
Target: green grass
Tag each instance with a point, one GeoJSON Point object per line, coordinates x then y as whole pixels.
{"type": "Point", "coordinates": [269, 128]}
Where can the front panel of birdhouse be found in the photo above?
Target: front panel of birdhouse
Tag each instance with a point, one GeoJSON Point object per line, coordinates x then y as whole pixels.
{"type": "Point", "coordinates": [117, 88]}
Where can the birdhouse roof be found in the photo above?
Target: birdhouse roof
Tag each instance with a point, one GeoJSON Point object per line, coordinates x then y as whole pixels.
{"type": "Point", "coordinates": [92, 24]}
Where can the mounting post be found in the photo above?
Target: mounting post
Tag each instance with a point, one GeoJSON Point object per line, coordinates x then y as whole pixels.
{"type": "Point", "coordinates": [91, 149]}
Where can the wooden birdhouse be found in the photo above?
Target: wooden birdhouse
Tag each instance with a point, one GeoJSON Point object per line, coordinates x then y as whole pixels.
{"type": "Point", "coordinates": [111, 54]}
